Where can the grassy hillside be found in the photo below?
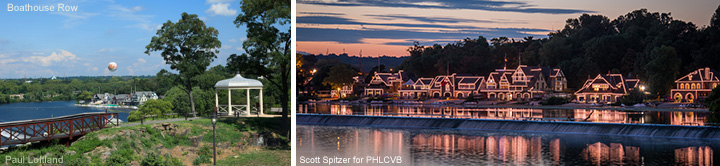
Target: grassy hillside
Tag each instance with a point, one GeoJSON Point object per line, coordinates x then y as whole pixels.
{"type": "Point", "coordinates": [175, 143]}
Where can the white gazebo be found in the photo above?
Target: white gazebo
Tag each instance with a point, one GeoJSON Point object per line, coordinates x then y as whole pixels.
{"type": "Point", "coordinates": [238, 82]}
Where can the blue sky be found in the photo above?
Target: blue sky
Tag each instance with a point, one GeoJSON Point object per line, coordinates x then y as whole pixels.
{"type": "Point", "coordinates": [380, 27]}
{"type": "Point", "coordinates": [81, 43]}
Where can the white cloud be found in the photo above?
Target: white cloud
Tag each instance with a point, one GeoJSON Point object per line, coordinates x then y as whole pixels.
{"type": "Point", "coordinates": [104, 50]}
{"type": "Point", "coordinates": [54, 57]}
{"type": "Point", "coordinates": [6, 61]}
{"type": "Point", "coordinates": [233, 40]}
{"type": "Point", "coordinates": [131, 14]}
{"type": "Point", "coordinates": [137, 8]}
{"type": "Point", "coordinates": [141, 60]}
{"type": "Point", "coordinates": [226, 47]}
{"type": "Point", "coordinates": [74, 18]}
{"type": "Point", "coordinates": [221, 9]}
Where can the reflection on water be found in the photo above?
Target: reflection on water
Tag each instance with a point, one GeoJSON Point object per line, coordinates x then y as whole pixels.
{"type": "Point", "coordinates": [435, 147]}
{"type": "Point", "coordinates": [579, 115]}
{"type": "Point", "coordinates": [694, 156]}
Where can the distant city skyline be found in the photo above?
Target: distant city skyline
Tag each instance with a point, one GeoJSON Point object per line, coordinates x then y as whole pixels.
{"type": "Point", "coordinates": [390, 27]}
{"type": "Point", "coordinates": [42, 44]}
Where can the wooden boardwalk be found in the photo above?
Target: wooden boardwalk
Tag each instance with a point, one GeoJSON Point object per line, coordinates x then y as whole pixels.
{"type": "Point", "coordinates": [20, 132]}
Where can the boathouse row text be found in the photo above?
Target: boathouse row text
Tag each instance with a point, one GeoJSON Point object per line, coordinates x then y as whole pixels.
{"type": "Point", "coordinates": [42, 8]}
{"type": "Point", "coordinates": [351, 160]}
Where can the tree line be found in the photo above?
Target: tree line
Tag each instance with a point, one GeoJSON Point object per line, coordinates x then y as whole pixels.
{"type": "Point", "coordinates": [84, 88]}
{"type": "Point", "coordinates": [651, 46]}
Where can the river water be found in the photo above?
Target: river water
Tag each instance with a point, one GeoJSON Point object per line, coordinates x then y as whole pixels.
{"type": "Point", "coordinates": [383, 146]}
{"type": "Point", "coordinates": [688, 118]}
{"type": "Point", "coordinates": [377, 146]}
{"type": "Point", "coordinates": [37, 110]}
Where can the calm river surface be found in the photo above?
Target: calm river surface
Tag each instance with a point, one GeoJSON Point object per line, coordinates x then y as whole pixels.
{"type": "Point", "coordinates": [37, 110]}
{"type": "Point", "coordinates": [458, 147]}
{"type": "Point", "coordinates": [579, 115]}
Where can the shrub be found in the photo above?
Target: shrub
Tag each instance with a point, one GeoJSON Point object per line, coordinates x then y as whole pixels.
{"type": "Point", "coordinates": [555, 101]}
{"type": "Point", "coordinates": [470, 98]}
{"type": "Point", "coordinates": [203, 156]}
{"type": "Point", "coordinates": [633, 97]}
{"type": "Point", "coordinates": [120, 157]}
{"type": "Point", "coordinates": [153, 159]}
{"type": "Point", "coordinates": [89, 143]}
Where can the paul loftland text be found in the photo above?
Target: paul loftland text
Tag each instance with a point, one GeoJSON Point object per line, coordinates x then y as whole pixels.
{"type": "Point", "coordinates": [41, 8]}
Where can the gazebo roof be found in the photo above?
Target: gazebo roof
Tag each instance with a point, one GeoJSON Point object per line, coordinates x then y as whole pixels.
{"type": "Point", "coordinates": [238, 82]}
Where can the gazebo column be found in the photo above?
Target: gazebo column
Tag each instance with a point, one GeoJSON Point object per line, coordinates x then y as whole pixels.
{"type": "Point", "coordinates": [248, 101]}
{"type": "Point", "coordinates": [260, 112]}
{"type": "Point", "coordinates": [217, 103]}
{"type": "Point", "coordinates": [229, 105]}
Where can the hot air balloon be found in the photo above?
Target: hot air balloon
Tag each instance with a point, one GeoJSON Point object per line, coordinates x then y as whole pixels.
{"type": "Point", "coordinates": [112, 66]}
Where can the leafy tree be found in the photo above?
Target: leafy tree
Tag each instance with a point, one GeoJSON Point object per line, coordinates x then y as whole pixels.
{"type": "Point", "coordinates": [205, 101]}
{"type": "Point", "coordinates": [179, 99]}
{"type": "Point", "coordinates": [208, 79]}
{"type": "Point", "coordinates": [713, 103]}
{"type": "Point", "coordinates": [340, 75]}
{"type": "Point", "coordinates": [151, 107]}
{"type": "Point", "coordinates": [85, 95]}
{"type": "Point", "coordinates": [188, 46]}
{"type": "Point", "coordinates": [662, 70]}
{"type": "Point", "coordinates": [165, 81]}
{"type": "Point", "coordinates": [268, 47]}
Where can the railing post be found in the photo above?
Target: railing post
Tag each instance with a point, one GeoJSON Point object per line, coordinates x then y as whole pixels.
{"type": "Point", "coordinates": [71, 129]}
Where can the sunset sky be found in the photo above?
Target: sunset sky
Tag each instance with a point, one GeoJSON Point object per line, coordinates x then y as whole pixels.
{"type": "Point", "coordinates": [380, 27]}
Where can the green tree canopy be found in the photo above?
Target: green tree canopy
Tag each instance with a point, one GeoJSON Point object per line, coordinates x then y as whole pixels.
{"type": "Point", "coordinates": [188, 46]}
{"type": "Point", "coordinates": [267, 46]}
{"type": "Point", "coordinates": [151, 107]}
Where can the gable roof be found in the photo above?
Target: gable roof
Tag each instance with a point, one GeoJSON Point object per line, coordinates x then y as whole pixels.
{"type": "Point", "coordinates": [423, 81]}
{"type": "Point", "coordinates": [702, 74]}
{"type": "Point", "coordinates": [616, 83]}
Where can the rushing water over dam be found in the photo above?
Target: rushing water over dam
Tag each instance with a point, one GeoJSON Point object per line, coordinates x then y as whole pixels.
{"type": "Point", "coordinates": [514, 125]}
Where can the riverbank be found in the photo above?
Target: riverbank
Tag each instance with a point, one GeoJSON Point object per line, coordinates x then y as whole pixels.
{"type": "Point", "coordinates": [495, 104]}
{"type": "Point", "coordinates": [239, 140]}
{"type": "Point", "coordinates": [107, 106]}
{"type": "Point", "coordinates": [648, 130]}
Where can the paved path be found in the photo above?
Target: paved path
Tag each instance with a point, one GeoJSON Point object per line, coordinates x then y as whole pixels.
{"type": "Point", "coordinates": [182, 119]}
{"type": "Point", "coordinates": [159, 121]}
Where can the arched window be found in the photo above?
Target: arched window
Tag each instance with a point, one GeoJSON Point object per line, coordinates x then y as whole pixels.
{"type": "Point", "coordinates": [692, 86]}
{"type": "Point", "coordinates": [687, 86]}
{"type": "Point", "coordinates": [682, 86]}
{"type": "Point", "coordinates": [714, 85]}
{"type": "Point", "coordinates": [699, 86]}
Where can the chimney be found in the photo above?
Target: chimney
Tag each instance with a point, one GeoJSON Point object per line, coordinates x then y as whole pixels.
{"type": "Point", "coordinates": [707, 72]}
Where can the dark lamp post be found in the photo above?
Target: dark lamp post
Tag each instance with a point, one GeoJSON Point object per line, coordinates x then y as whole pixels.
{"type": "Point", "coordinates": [214, 121]}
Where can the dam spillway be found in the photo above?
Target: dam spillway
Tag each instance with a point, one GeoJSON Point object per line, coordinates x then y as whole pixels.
{"type": "Point", "coordinates": [648, 130]}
